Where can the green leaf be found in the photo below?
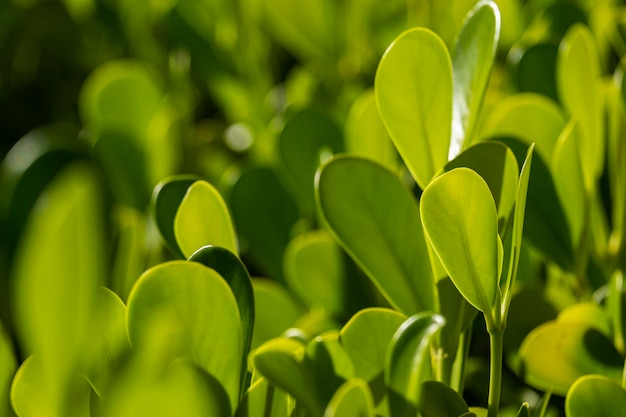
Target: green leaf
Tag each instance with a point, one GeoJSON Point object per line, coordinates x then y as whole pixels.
{"type": "Point", "coordinates": [166, 199]}
{"type": "Point", "coordinates": [408, 362]}
{"type": "Point", "coordinates": [376, 220]}
{"type": "Point", "coordinates": [500, 173]}
{"type": "Point", "coordinates": [275, 310]}
{"type": "Point", "coordinates": [264, 214]}
{"type": "Point", "coordinates": [580, 89]}
{"type": "Point", "coordinates": [352, 399]}
{"type": "Point", "coordinates": [529, 117]}
{"type": "Point", "coordinates": [535, 69]}
{"type": "Point", "coordinates": [203, 219]}
{"type": "Point", "coordinates": [556, 354]}
{"type": "Point", "coordinates": [460, 221]}
{"type": "Point", "coordinates": [314, 270]}
{"type": "Point", "coordinates": [306, 137]}
{"type": "Point", "coordinates": [191, 310]}
{"type": "Point", "coordinates": [230, 267]}
{"type": "Point", "coordinates": [263, 399]}
{"type": "Point", "coordinates": [414, 94]}
{"type": "Point", "coordinates": [330, 363]}
{"type": "Point", "coordinates": [129, 259]}
{"type": "Point", "coordinates": [284, 363]}
{"type": "Point", "coordinates": [439, 400]}
{"type": "Point", "coordinates": [7, 370]}
{"type": "Point", "coordinates": [524, 410]}
{"type": "Point", "coordinates": [366, 135]}
{"type": "Point", "coordinates": [472, 60]}
{"type": "Point", "coordinates": [597, 396]}
{"type": "Point", "coordinates": [58, 269]}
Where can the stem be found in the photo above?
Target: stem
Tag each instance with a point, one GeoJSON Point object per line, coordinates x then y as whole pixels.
{"type": "Point", "coordinates": [496, 339]}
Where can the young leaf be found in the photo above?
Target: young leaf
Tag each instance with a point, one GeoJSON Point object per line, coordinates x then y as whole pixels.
{"type": "Point", "coordinates": [352, 399]}
{"type": "Point", "coordinates": [376, 220]}
{"type": "Point", "coordinates": [191, 309]}
{"type": "Point", "coordinates": [414, 93]}
{"type": "Point", "coordinates": [597, 396]}
{"type": "Point", "coordinates": [408, 362]}
{"type": "Point", "coordinates": [203, 219]}
{"type": "Point", "coordinates": [471, 62]}
{"type": "Point", "coordinates": [439, 400]}
{"type": "Point", "coordinates": [460, 220]}
{"type": "Point", "coordinates": [524, 410]}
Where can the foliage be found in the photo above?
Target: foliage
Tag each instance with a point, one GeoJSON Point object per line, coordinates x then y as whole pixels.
{"type": "Point", "coordinates": [329, 209]}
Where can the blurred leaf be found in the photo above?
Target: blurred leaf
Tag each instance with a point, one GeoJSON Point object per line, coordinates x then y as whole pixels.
{"type": "Point", "coordinates": [588, 314]}
{"type": "Point", "coordinates": [579, 84]}
{"type": "Point", "coordinates": [314, 270]}
{"type": "Point", "coordinates": [500, 173]}
{"type": "Point", "coordinates": [264, 214]}
{"type": "Point", "coordinates": [529, 117]}
{"type": "Point", "coordinates": [130, 249]}
{"type": "Point", "coordinates": [166, 198]}
{"type": "Point", "coordinates": [597, 396]}
{"type": "Point", "coordinates": [275, 311]}
{"type": "Point", "coordinates": [284, 363]}
{"type": "Point", "coordinates": [366, 135]}
{"type": "Point", "coordinates": [59, 266]}
{"type": "Point", "coordinates": [408, 362]}
{"type": "Point", "coordinates": [472, 60]}
{"type": "Point", "coordinates": [203, 219]}
{"type": "Point", "coordinates": [414, 95]}
{"type": "Point", "coordinates": [263, 399]}
{"type": "Point", "coordinates": [460, 221]}
{"type": "Point", "coordinates": [192, 310]}
{"type": "Point", "coordinates": [7, 370]}
{"type": "Point", "coordinates": [376, 220]}
{"type": "Point", "coordinates": [230, 267]}
{"type": "Point", "coordinates": [439, 400]}
{"type": "Point", "coordinates": [536, 69]}
{"type": "Point", "coordinates": [304, 140]}
{"type": "Point", "coordinates": [352, 399]}
{"type": "Point", "coordinates": [556, 354]}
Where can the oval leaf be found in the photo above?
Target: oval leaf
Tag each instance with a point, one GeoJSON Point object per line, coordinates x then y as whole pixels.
{"type": "Point", "coordinates": [439, 400]}
{"type": "Point", "coordinates": [376, 220]}
{"type": "Point", "coordinates": [596, 396]}
{"type": "Point", "coordinates": [461, 223]}
{"type": "Point", "coordinates": [414, 93]}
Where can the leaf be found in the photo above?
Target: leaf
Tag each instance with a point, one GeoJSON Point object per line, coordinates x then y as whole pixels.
{"type": "Point", "coordinates": [263, 399]}
{"type": "Point", "coordinates": [500, 173]}
{"type": "Point", "coordinates": [166, 199]}
{"type": "Point", "coordinates": [352, 399]}
{"type": "Point", "coordinates": [460, 220]}
{"type": "Point", "coordinates": [283, 362]}
{"type": "Point", "coordinates": [330, 363]}
{"type": "Point", "coordinates": [530, 118]}
{"type": "Point", "coordinates": [524, 410]}
{"type": "Point", "coordinates": [408, 362]}
{"type": "Point", "coordinates": [58, 269]}
{"type": "Point", "coordinates": [314, 270]}
{"type": "Point", "coordinates": [234, 272]}
{"type": "Point", "coordinates": [579, 83]}
{"type": "Point", "coordinates": [536, 68]}
{"type": "Point", "coordinates": [414, 93]}
{"type": "Point", "coordinates": [472, 61]}
{"type": "Point", "coordinates": [7, 370]}
{"type": "Point", "coordinates": [365, 133]}
{"type": "Point", "coordinates": [376, 220]}
{"type": "Point", "coordinates": [203, 219]}
{"type": "Point", "coordinates": [264, 214]}
{"type": "Point", "coordinates": [439, 400]}
{"type": "Point", "coordinates": [305, 138]}
{"type": "Point", "coordinates": [129, 259]}
{"type": "Point", "coordinates": [556, 354]}
{"type": "Point", "coordinates": [597, 396]}
{"type": "Point", "coordinates": [191, 311]}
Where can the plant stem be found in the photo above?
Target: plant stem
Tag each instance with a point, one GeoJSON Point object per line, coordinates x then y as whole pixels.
{"type": "Point", "coordinates": [496, 339]}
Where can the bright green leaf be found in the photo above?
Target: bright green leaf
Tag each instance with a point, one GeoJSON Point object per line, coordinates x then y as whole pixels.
{"type": "Point", "coordinates": [352, 399]}
{"type": "Point", "coordinates": [414, 94]}
{"type": "Point", "coordinates": [263, 399]}
{"type": "Point", "coordinates": [408, 362]}
{"type": "Point", "coordinates": [472, 60]}
{"type": "Point", "coordinates": [460, 221]}
{"type": "Point", "coordinates": [203, 219]}
{"type": "Point", "coordinates": [376, 220]}
{"type": "Point", "coordinates": [597, 396]}
{"type": "Point", "coordinates": [192, 311]}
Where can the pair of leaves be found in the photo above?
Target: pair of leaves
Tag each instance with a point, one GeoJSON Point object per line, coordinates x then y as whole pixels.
{"type": "Point", "coordinates": [428, 101]}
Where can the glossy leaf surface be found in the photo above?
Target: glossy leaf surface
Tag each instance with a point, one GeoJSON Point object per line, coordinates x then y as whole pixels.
{"type": "Point", "coordinates": [460, 221]}
{"type": "Point", "coordinates": [352, 399]}
{"type": "Point", "coordinates": [376, 220]}
{"type": "Point", "coordinates": [203, 219]}
{"type": "Point", "coordinates": [597, 396]}
{"type": "Point", "coordinates": [192, 309]}
{"type": "Point", "coordinates": [472, 60]}
{"type": "Point", "coordinates": [414, 94]}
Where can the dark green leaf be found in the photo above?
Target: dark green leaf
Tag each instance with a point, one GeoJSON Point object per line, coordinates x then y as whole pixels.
{"type": "Point", "coordinates": [439, 400]}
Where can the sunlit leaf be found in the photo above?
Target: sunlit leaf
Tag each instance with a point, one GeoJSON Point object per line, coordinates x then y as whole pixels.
{"type": "Point", "coordinates": [352, 399]}
{"type": "Point", "coordinates": [597, 396]}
